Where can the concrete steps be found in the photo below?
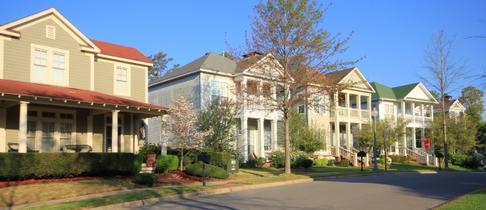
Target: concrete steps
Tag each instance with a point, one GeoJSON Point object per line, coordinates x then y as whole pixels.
{"type": "Point", "coordinates": [147, 169]}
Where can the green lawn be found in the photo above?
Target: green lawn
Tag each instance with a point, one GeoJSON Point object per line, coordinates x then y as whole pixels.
{"type": "Point", "coordinates": [244, 177]}
{"type": "Point", "coordinates": [24, 194]}
{"type": "Point", "coordinates": [476, 200]}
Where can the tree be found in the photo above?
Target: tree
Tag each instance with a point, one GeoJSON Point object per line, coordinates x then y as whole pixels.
{"type": "Point", "coordinates": [182, 124]}
{"type": "Point", "coordinates": [160, 60]}
{"type": "Point", "coordinates": [472, 99]}
{"type": "Point", "coordinates": [481, 139]}
{"type": "Point", "coordinates": [389, 131]}
{"type": "Point", "coordinates": [221, 118]}
{"type": "Point", "coordinates": [290, 31]}
{"type": "Point", "coordinates": [303, 138]}
{"type": "Point", "coordinates": [461, 134]}
{"type": "Point", "coordinates": [443, 73]}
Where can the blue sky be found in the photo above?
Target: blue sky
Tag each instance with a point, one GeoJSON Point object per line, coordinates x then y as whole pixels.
{"type": "Point", "coordinates": [392, 35]}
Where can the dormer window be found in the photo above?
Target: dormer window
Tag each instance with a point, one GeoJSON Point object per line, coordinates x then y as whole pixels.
{"type": "Point", "coordinates": [122, 80]}
{"type": "Point", "coordinates": [50, 32]}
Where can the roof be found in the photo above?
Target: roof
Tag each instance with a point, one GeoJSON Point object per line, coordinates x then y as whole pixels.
{"type": "Point", "coordinates": [121, 51]}
{"type": "Point", "coordinates": [337, 76]}
{"type": "Point", "coordinates": [209, 61]}
{"type": "Point", "coordinates": [395, 93]}
{"type": "Point", "coordinates": [13, 87]}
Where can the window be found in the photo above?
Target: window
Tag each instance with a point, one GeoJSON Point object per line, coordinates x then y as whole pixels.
{"type": "Point", "coordinates": [40, 65]}
{"type": "Point", "coordinates": [49, 114]}
{"type": "Point", "coordinates": [66, 130]}
{"type": "Point", "coordinates": [122, 86]}
{"type": "Point", "coordinates": [301, 109]}
{"type": "Point", "coordinates": [219, 90]}
{"type": "Point", "coordinates": [389, 111]}
{"type": "Point", "coordinates": [318, 104]}
{"type": "Point", "coordinates": [50, 32]}
{"type": "Point", "coordinates": [49, 66]}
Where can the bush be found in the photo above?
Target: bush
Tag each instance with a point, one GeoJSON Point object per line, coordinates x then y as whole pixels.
{"type": "Point", "coordinates": [167, 163]}
{"type": "Point", "coordinates": [306, 163]}
{"type": "Point", "coordinates": [467, 161]}
{"type": "Point", "coordinates": [254, 163]}
{"type": "Point", "coordinates": [278, 159]}
{"type": "Point", "coordinates": [321, 162]}
{"type": "Point", "coordinates": [221, 159]}
{"type": "Point", "coordinates": [343, 163]}
{"type": "Point", "coordinates": [196, 169]}
{"type": "Point", "coordinates": [137, 163]}
{"type": "Point", "coordinates": [145, 179]}
{"type": "Point", "coordinates": [399, 158]}
{"type": "Point", "coordinates": [17, 166]}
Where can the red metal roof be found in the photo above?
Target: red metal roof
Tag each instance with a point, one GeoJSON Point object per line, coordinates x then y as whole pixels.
{"type": "Point", "coordinates": [14, 87]}
{"type": "Point", "coordinates": [121, 51]}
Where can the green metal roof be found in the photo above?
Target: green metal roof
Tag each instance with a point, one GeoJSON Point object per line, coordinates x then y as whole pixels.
{"type": "Point", "coordinates": [395, 93]}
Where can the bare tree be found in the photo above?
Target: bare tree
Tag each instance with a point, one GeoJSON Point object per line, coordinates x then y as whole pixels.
{"type": "Point", "coordinates": [293, 53]}
{"type": "Point", "coordinates": [443, 74]}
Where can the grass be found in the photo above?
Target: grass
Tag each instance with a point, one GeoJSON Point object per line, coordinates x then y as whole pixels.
{"type": "Point", "coordinates": [24, 194]}
{"type": "Point", "coordinates": [475, 200]}
{"type": "Point", "coordinates": [244, 177]}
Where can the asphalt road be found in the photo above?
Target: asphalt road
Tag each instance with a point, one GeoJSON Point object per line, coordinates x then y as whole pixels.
{"type": "Point", "coordinates": [396, 191]}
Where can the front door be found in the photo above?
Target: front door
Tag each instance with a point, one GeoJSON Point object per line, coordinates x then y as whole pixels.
{"type": "Point", "coordinates": [109, 138]}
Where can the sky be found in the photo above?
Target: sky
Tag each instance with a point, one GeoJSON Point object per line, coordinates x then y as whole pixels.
{"type": "Point", "coordinates": [391, 36]}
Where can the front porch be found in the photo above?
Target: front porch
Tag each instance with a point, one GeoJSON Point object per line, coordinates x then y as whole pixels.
{"type": "Point", "coordinates": [45, 118]}
{"type": "Point", "coordinates": [257, 137]}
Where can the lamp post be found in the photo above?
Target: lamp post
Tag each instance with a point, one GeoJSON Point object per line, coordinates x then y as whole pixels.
{"type": "Point", "coordinates": [375, 163]}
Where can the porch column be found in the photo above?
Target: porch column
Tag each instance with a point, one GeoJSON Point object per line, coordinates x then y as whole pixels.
{"type": "Point", "coordinates": [89, 132]}
{"type": "Point", "coordinates": [358, 103]}
{"type": "Point", "coordinates": [414, 141]}
{"type": "Point", "coordinates": [369, 109]}
{"type": "Point", "coordinates": [432, 111]}
{"type": "Point", "coordinates": [347, 105]}
{"type": "Point", "coordinates": [261, 131]}
{"type": "Point", "coordinates": [336, 125]}
{"type": "Point", "coordinates": [422, 111]}
{"type": "Point", "coordinates": [135, 136]}
{"type": "Point", "coordinates": [404, 129]}
{"type": "Point", "coordinates": [23, 127]}
{"type": "Point", "coordinates": [114, 130]}
{"type": "Point", "coordinates": [274, 135]}
{"type": "Point", "coordinates": [349, 140]}
{"type": "Point", "coordinates": [132, 139]}
{"type": "Point", "coordinates": [3, 140]}
{"type": "Point", "coordinates": [413, 112]}
{"type": "Point", "coordinates": [397, 151]}
{"type": "Point", "coordinates": [244, 137]}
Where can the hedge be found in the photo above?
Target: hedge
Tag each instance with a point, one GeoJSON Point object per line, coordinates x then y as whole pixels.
{"type": "Point", "coordinates": [167, 163]}
{"type": "Point", "coordinates": [18, 166]}
{"type": "Point", "coordinates": [211, 171]}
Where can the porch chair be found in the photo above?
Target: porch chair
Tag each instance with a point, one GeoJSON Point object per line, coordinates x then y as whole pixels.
{"type": "Point", "coordinates": [14, 147]}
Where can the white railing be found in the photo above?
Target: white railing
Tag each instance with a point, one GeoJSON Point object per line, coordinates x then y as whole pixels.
{"type": "Point", "coordinates": [354, 113]}
{"type": "Point", "coordinates": [423, 157]}
{"type": "Point", "coordinates": [350, 155]}
{"type": "Point", "coordinates": [342, 112]}
{"type": "Point", "coordinates": [365, 114]}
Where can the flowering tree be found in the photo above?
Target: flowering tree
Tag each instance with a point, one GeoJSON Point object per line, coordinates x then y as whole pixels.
{"type": "Point", "coordinates": [182, 124]}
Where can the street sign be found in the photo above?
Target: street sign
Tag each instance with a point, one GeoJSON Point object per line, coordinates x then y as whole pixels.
{"type": "Point", "coordinates": [204, 157]}
{"type": "Point", "coordinates": [427, 143]}
{"type": "Point", "coordinates": [361, 154]}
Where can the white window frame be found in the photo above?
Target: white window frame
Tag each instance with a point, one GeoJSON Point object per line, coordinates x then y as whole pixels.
{"type": "Point", "coordinates": [116, 90]}
{"type": "Point", "coordinates": [50, 65]}
{"type": "Point", "coordinates": [221, 88]}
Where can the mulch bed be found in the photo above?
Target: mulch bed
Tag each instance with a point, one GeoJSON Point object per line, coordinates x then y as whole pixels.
{"type": "Point", "coordinates": [176, 178]}
{"type": "Point", "coordinates": [4, 184]}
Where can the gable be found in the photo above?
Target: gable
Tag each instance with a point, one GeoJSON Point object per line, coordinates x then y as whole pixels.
{"type": "Point", "coordinates": [267, 66]}
{"type": "Point", "coordinates": [16, 28]}
{"type": "Point", "coordinates": [420, 93]}
{"type": "Point", "coordinates": [457, 105]}
{"type": "Point", "coordinates": [357, 80]}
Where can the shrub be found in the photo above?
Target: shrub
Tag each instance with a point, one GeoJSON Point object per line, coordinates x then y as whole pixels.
{"type": "Point", "coordinates": [321, 162]}
{"type": "Point", "coordinates": [260, 162]}
{"type": "Point", "coordinates": [306, 163]}
{"type": "Point", "coordinates": [221, 159]}
{"type": "Point", "coordinates": [399, 158]}
{"type": "Point", "coordinates": [467, 161]}
{"type": "Point", "coordinates": [18, 166]}
{"type": "Point", "coordinates": [167, 163]}
{"type": "Point", "coordinates": [196, 169]}
{"type": "Point", "coordinates": [137, 163]}
{"type": "Point", "coordinates": [145, 179]}
{"type": "Point", "coordinates": [343, 163]}
{"type": "Point", "coordinates": [331, 162]}
{"type": "Point", "coordinates": [278, 159]}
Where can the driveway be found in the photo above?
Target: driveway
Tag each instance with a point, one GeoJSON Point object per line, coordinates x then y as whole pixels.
{"type": "Point", "coordinates": [394, 191]}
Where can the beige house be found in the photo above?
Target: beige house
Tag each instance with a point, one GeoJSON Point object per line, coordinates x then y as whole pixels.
{"type": "Point", "coordinates": [60, 90]}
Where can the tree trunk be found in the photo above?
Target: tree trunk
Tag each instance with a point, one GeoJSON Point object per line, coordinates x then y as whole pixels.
{"type": "Point", "coordinates": [181, 165]}
{"type": "Point", "coordinates": [444, 132]}
{"type": "Point", "coordinates": [287, 145]}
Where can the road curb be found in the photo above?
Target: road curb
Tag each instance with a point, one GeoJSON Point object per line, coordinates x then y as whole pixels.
{"type": "Point", "coordinates": [207, 192]}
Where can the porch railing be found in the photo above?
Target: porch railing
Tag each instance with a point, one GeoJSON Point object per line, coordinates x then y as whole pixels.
{"type": "Point", "coordinates": [350, 155]}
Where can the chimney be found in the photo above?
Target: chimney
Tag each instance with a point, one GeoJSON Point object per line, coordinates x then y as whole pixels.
{"type": "Point", "coordinates": [252, 53]}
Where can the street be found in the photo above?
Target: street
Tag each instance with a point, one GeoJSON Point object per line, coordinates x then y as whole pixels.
{"type": "Point", "coordinates": [394, 191]}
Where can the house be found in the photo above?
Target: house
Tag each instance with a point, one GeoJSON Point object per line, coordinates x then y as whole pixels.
{"type": "Point", "coordinates": [453, 107]}
{"type": "Point", "coordinates": [413, 103]}
{"type": "Point", "coordinates": [215, 77]}
{"type": "Point", "coordinates": [342, 114]}
{"type": "Point", "coordinates": [60, 89]}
